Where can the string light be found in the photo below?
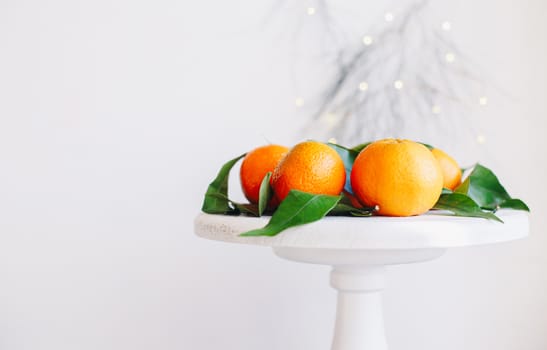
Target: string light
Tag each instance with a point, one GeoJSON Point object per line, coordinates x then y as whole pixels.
{"type": "Point", "coordinates": [363, 86]}
{"type": "Point", "coordinates": [367, 40]}
{"type": "Point", "coordinates": [377, 40]}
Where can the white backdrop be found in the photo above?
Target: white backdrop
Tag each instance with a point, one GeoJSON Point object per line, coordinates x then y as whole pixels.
{"type": "Point", "coordinates": [114, 117]}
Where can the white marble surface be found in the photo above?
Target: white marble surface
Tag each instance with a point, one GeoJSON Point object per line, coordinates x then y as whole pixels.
{"type": "Point", "coordinates": [432, 230]}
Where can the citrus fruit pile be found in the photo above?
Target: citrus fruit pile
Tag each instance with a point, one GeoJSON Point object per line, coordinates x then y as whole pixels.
{"type": "Point", "coordinates": [389, 177]}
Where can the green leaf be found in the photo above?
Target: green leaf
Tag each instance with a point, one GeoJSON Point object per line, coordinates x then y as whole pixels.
{"type": "Point", "coordinates": [463, 188]}
{"type": "Point", "coordinates": [216, 198]}
{"type": "Point", "coordinates": [264, 194]}
{"type": "Point", "coordinates": [236, 208]}
{"type": "Point", "coordinates": [297, 208]}
{"type": "Point", "coordinates": [429, 147]}
{"type": "Point", "coordinates": [348, 156]}
{"type": "Point", "coordinates": [461, 205]}
{"type": "Point", "coordinates": [343, 209]}
{"type": "Point", "coordinates": [516, 204]}
{"type": "Point", "coordinates": [346, 208]}
{"type": "Point", "coordinates": [483, 186]}
{"type": "Point", "coordinates": [360, 147]}
{"type": "Point", "coordinates": [247, 208]}
{"type": "Point", "coordinates": [446, 191]}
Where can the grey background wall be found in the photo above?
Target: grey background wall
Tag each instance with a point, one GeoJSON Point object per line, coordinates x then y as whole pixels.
{"type": "Point", "coordinates": [114, 117]}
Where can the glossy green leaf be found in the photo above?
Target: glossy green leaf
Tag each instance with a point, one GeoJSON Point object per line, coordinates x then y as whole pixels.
{"type": "Point", "coordinates": [342, 209]}
{"type": "Point", "coordinates": [346, 208]}
{"type": "Point", "coordinates": [264, 194]}
{"type": "Point", "coordinates": [483, 186]}
{"type": "Point", "coordinates": [236, 208]}
{"type": "Point", "coordinates": [246, 208]}
{"type": "Point", "coordinates": [297, 208]}
{"type": "Point", "coordinates": [348, 156]}
{"type": "Point", "coordinates": [514, 203]}
{"type": "Point", "coordinates": [461, 205]}
{"type": "Point", "coordinates": [429, 147]}
{"type": "Point", "coordinates": [360, 147]}
{"type": "Point", "coordinates": [464, 186]}
{"type": "Point", "coordinates": [216, 198]}
{"type": "Point", "coordinates": [446, 191]}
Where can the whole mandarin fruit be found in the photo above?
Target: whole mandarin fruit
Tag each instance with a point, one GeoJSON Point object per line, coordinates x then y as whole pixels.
{"type": "Point", "coordinates": [400, 177]}
{"type": "Point", "coordinates": [452, 173]}
{"type": "Point", "coordinates": [312, 167]}
{"type": "Point", "coordinates": [256, 164]}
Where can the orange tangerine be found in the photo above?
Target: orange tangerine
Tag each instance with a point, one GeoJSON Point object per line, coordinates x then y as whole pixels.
{"type": "Point", "coordinates": [400, 177]}
{"type": "Point", "coordinates": [452, 173]}
{"type": "Point", "coordinates": [256, 164]}
{"type": "Point", "coordinates": [312, 167]}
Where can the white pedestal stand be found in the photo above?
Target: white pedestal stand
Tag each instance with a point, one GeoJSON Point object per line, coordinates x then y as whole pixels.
{"type": "Point", "coordinates": [359, 278]}
{"type": "Point", "coordinates": [359, 249]}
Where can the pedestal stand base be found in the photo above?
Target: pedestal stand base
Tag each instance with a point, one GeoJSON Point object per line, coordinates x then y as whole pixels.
{"type": "Point", "coordinates": [359, 278]}
{"type": "Point", "coordinates": [359, 318]}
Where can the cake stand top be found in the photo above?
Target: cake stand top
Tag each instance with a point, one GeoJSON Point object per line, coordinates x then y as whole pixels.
{"type": "Point", "coordinates": [431, 230]}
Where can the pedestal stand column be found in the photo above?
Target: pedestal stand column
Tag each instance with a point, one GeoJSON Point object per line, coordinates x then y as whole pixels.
{"type": "Point", "coordinates": [359, 316]}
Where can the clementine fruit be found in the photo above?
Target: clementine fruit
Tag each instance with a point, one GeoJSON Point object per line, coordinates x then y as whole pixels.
{"type": "Point", "coordinates": [452, 173]}
{"type": "Point", "coordinates": [256, 164]}
{"type": "Point", "coordinates": [399, 177]}
{"type": "Point", "coordinates": [312, 167]}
